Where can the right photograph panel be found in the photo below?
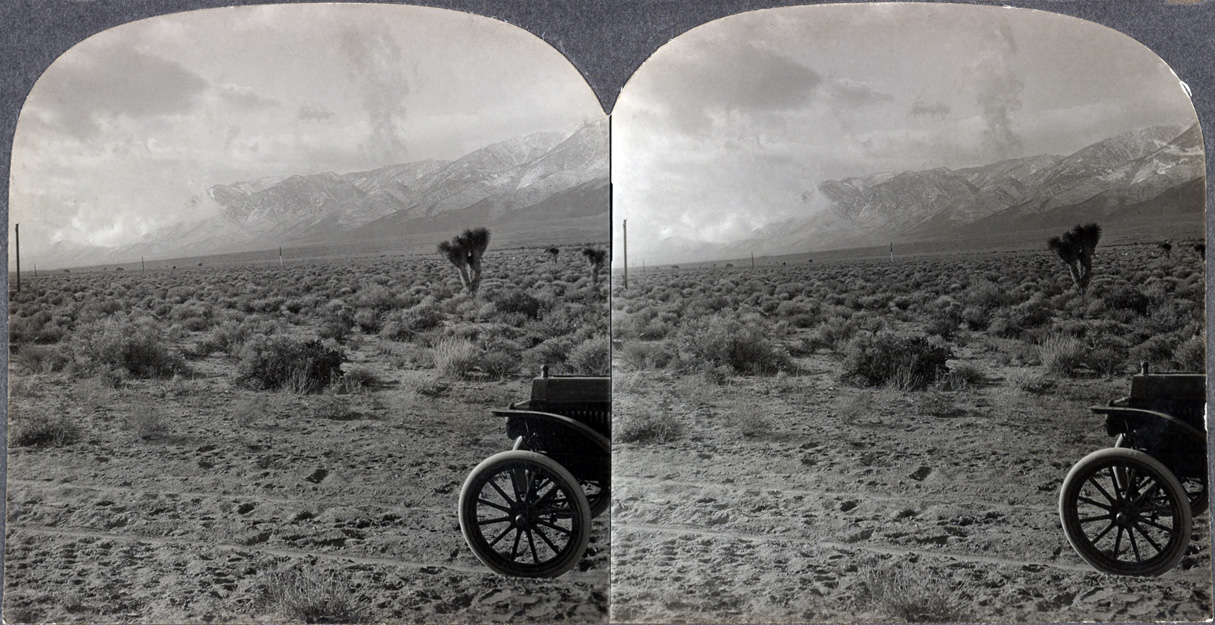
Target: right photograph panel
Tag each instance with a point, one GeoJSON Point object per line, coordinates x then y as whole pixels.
{"type": "Point", "coordinates": [908, 323]}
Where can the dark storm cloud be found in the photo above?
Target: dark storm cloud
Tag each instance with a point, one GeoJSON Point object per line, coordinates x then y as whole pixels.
{"type": "Point", "coordinates": [377, 59]}
{"type": "Point", "coordinates": [938, 110]}
{"type": "Point", "coordinates": [736, 78]}
{"type": "Point", "coordinates": [120, 81]}
{"type": "Point", "coordinates": [313, 113]}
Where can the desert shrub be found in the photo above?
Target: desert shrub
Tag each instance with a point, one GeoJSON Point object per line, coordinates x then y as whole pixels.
{"type": "Point", "coordinates": [134, 345]}
{"type": "Point", "coordinates": [744, 347]}
{"type": "Point", "coordinates": [500, 365]}
{"type": "Point", "coordinates": [358, 379]}
{"type": "Point", "coordinates": [309, 598]}
{"type": "Point", "coordinates": [281, 362]}
{"type": "Point", "coordinates": [41, 358]}
{"type": "Point", "coordinates": [518, 302]}
{"type": "Point", "coordinates": [1107, 355]}
{"type": "Point", "coordinates": [1191, 355]}
{"type": "Point", "coordinates": [402, 325]}
{"type": "Point", "coordinates": [911, 363]}
{"type": "Point", "coordinates": [1125, 297]}
{"type": "Point", "coordinates": [1157, 351]}
{"type": "Point", "coordinates": [44, 430]}
{"type": "Point", "coordinates": [591, 357]}
{"type": "Point", "coordinates": [647, 426]}
{"type": "Point", "coordinates": [552, 351]}
{"type": "Point", "coordinates": [368, 320]}
{"type": "Point", "coordinates": [147, 422]}
{"type": "Point", "coordinates": [945, 321]}
{"type": "Point", "coordinates": [964, 375]}
{"type": "Point", "coordinates": [906, 595]}
{"type": "Point", "coordinates": [456, 357]}
{"type": "Point", "coordinates": [833, 333]}
{"type": "Point", "coordinates": [1062, 354]}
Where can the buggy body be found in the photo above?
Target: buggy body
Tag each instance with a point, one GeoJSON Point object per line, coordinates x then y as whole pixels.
{"type": "Point", "coordinates": [527, 512]}
{"type": "Point", "coordinates": [1128, 509]}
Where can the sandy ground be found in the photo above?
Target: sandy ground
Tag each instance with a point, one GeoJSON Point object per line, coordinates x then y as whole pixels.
{"type": "Point", "coordinates": [784, 495]}
{"type": "Point", "coordinates": [190, 524]}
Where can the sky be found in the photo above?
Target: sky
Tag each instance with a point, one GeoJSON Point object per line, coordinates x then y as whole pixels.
{"type": "Point", "coordinates": [733, 125]}
{"type": "Point", "coordinates": [128, 129]}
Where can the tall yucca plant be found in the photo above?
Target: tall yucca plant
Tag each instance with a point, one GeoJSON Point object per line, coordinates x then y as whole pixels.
{"type": "Point", "coordinates": [1075, 249]}
{"type": "Point", "coordinates": [596, 257]}
{"type": "Point", "coordinates": [464, 251]}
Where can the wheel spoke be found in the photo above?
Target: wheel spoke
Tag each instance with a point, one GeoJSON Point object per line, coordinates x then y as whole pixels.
{"type": "Point", "coordinates": [1102, 490]}
{"type": "Point", "coordinates": [514, 549]}
{"type": "Point", "coordinates": [1093, 502]}
{"type": "Point", "coordinates": [531, 543]}
{"type": "Point", "coordinates": [501, 519]}
{"type": "Point", "coordinates": [1134, 545]}
{"type": "Point", "coordinates": [491, 504]}
{"type": "Point", "coordinates": [553, 526]}
{"type": "Point", "coordinates": [1117, 542]}
{"type": "Point", "coordinates": [502, 492]}
{"type": "Point", "coordinates": [1155, 487]}
{"type": "Point", "coordinates": [546, 540]}
{"type": "Point", "coordinates": [1156, 525]}
{"type": "Point", "coordinates": [501, 536]}
{"type": "Point", "coordinates": [1090, 519]}
{"type": "Point", "coordinates": [1105, 531]}
{"type": "Point", "coordinates": [1148, 538]}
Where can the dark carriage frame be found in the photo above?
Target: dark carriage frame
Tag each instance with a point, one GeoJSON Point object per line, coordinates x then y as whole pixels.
{"type": "Point", "coordinates": [527, 512]}
{"type": "Point", "coordinates": [1128, 509]}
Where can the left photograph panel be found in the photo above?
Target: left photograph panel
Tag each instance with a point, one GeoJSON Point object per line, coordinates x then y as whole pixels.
{"type": "Point", "coordinates": [309, 323]}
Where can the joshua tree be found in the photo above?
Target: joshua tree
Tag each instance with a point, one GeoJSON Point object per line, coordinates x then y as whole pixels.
{"type": "Point", "coordinates": [464, 251]}
{"type": "Point", "coordinates": [1166, 246]}
{"type": "Point", "coordinates": [552, 254]}
{"type": "Point", "coordinates": [1075, 249]}
{"type": "Point", "coordinates": [596, 258]}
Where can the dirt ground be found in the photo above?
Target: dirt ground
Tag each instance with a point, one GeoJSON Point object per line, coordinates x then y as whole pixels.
{"type": "Point", "coordinates": [232, 487]}
{"type": "Point", "coordinates": [786, 497]}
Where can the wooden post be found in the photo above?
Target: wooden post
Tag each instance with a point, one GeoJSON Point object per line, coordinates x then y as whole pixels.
{"type": "Point", "coordinates": [142, 266]}
{"type": "Point", "coordinates": [753, 260]}
{"type": "Point", "coordinates": [626, 253]}
{"type": "Point", "coordinates": [280, 256]}
{"type": "Point", "coordinates": [892, 251]}
{"type": "Point", "coordinates": [17, 228]}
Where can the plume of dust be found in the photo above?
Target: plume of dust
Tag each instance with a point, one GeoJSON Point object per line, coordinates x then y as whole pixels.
{"type": "Point", "coordinates": [377, 60]}
{"type": "Point", "coordinates": [999, 95]}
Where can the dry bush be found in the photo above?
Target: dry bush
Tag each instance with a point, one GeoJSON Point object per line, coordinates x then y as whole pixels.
{"type": "Point", "coordinates": [306, 597]}
{"type": "Point", "coordinates": [42, 429]}
{"type": "Point", "coordinates": [456, 358]}
{"type": "Point", "coordinates": [655, 424]}
{"type": "Point", "coordinates": [147, 422]}
{"type": "Point", "coordinates": [905, 363]}
{"type": "Point", "coordinates": [591, 357]}
{"type": "Point", "coordinates": [282, 362]}
{"type": "Point", "coordinates": [908, 595]}
{"type": "Point", "coordinates": [136, 346]}
{"type": "Point", "coordinates": [1062, 354]}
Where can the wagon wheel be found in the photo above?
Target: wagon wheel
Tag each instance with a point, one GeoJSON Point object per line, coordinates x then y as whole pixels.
{"type": "Point", "coordinates": [1125, 513]}
{"type": "Point", "coordinates": [598, 494]}
{"type": "Point", "coordinates": [524, 515]}
{"type": "Point", "coordinates": [1196, 491]}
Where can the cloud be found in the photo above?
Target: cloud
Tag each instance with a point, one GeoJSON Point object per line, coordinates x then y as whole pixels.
{"type": "Point", "coordinates": [313, 113]}
{"type": "Point", "coordinates": [244, 97]}
{"type": "Point", "coordinates": [117, 81]}
{"type": "Point", "coordinates": [728, 78]}
{"type": "Point", "coordinates": [851, 93]}
{"type": "Point", "coordinates": [999, 89]}
{"type": "Point", "coordinates": [936, 110]}
{"type": "Point", "coordinates": [377, 61]}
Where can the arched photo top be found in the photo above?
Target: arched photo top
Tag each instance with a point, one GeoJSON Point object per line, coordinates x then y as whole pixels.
{"type": "Point", "coordinates": [153, 138]}
{"type": "Point", "coordinates": [834, 126]}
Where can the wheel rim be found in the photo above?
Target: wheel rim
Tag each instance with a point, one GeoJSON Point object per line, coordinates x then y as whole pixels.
{"type": "Point", "coordinates": [1126, 518]}
{"type": "Point", "coordinates": [525, 516]}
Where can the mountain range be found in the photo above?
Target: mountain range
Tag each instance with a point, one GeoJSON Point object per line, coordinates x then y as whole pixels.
{"type": "Point", "coordinates": [1155, 173]}
{"type": "Point", "coordinates": [550, 182]}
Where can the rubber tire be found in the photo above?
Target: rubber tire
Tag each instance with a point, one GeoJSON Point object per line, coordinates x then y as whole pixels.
{"type": "Point", "coordinates": [1122, 460]}
{"type": "Point", "coordinates": [580, 515]}
{"type": "Point", "coordinates": [602, 499]}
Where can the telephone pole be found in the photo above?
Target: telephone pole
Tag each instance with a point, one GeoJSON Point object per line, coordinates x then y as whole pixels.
{"type": "Point", "coordinates": [626, 253]}
{"type": "Point", "coordinates": [17, 228]}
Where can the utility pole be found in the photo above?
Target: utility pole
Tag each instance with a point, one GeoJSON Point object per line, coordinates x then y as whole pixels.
{"type": "Point", "coordinates": [280, 256]}
{"type": "Point", "coordinates": [892, 251]}
{"type": "Point", "coordinates": [142, 266]}
{"type": "Point", "coordinates": [626, 253]}
{"type": "Point", "coordinates": [753, 260]}
{"type": "Point", "coordinates": [17, 228]}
